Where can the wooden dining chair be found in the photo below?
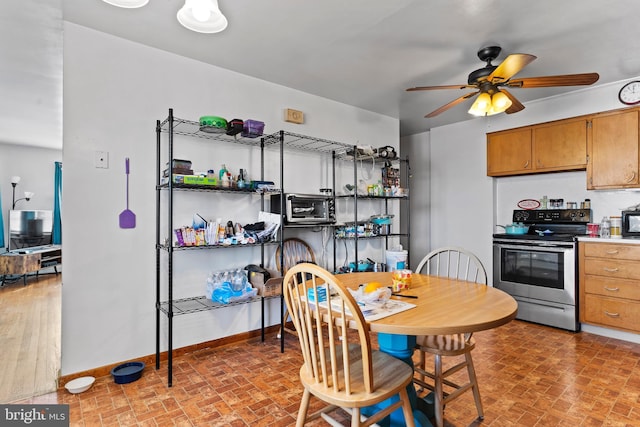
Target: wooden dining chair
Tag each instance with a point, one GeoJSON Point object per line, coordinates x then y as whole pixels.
{"type": "Point", "coordinates": [294, 251]}
{"type": "Point", "coordinates": [340, 367]}
{"type": "Point", "coordinates": [456, 263]}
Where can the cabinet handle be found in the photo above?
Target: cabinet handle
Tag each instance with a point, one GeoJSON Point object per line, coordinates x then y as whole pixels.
{"type": "Point", "coordinates": [526, 165]}
{"type": "Point", "coordinates": [610, 270]}
{"type": "Point", "coordinates": [612, 251]}
{"type": "Point", "coordinates": [611, 314]}
{"type": "Point", "coordinates": [606, 288]}
{"type": "Point", "coordinates": [633, 177]}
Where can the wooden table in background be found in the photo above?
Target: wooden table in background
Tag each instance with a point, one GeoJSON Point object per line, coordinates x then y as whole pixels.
{"type": "Point", "coordinates": [18, 264]}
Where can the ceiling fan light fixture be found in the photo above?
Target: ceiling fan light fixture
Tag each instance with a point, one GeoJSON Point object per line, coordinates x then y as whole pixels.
{"type": "Point", "coordinates": [493, 111]}
{"type": "Point", "coordinates": [202, 16]}
{"type": "Point", "coordinates": [127, 4]}
{"type": "Point", "coordinates": [481, 105]}
{"type": "Point", "coordinates": [500, 102]}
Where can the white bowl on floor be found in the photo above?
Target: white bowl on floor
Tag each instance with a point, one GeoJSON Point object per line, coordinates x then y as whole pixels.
{"type": "Point", "coordinates": [79, 384]}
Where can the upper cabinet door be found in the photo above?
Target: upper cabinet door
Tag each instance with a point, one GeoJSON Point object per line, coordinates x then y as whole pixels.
{"type": "Point", "coordinates": [613, 151]}
{"type": "Point", "coordinates": [509, 152]}
{"type": "Point", "coordinates": [560, 146]}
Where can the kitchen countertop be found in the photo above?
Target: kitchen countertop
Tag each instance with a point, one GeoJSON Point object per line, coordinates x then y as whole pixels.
{"type": "Point", "coordinates": [625, 240]}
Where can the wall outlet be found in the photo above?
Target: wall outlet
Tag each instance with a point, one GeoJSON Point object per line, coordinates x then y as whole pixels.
{"type": "Point", "coordinates": [293, 116]}
{"type": "Point", "coordinates": [102, 159]}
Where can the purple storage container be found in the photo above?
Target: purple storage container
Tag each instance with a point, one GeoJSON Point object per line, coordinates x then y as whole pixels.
{"type": "Point", "coordinates": [252, 128]}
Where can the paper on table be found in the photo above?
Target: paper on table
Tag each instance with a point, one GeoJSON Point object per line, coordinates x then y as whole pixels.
{"type": "Point", "coordinates": [375, 311]}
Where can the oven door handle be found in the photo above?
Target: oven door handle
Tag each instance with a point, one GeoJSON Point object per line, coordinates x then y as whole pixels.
{"type": "Point", "coordinates": [555, 248]}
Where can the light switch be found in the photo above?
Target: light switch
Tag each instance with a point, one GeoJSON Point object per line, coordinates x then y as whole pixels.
{"type": "Point", "coordinates": [102, 159]}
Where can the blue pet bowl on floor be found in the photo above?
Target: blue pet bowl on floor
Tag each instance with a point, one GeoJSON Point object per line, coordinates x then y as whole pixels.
{"type": "Point", "coordinates": [127, 372]}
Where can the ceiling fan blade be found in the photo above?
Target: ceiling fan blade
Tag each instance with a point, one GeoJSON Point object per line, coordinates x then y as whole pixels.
{"type": "Point", "coordinates": [463, 86]}
{"type": "Point", "coordinates": [511, 65]}
{"type": "Point", "coordinates": [515, 104]}
{"type": "Point", "coordinates": [584, 79]}
{"type": "Point", "coordinates": [451, 104]}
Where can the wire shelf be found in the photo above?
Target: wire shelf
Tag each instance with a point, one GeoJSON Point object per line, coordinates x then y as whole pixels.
{"type": "Point", "coordinates": [205, 247]}
{"type": "Point", "coordinates": [217, 189]}
{"type": "Point", "coordinates": [197, 304]}
{"type": "Point", "coordinates": [192, 129]}
{"type": "Point", "coordinates": [300, 142]}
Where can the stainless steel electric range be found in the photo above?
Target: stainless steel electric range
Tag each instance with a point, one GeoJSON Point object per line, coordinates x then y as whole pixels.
{"type": "Point", "coordinates": [539, 268]}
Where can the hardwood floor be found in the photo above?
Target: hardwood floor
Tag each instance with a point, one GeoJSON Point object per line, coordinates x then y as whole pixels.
{"type": "Point", "coordinates": [529, 375]}
{"type": "Point", "coordinates": [30, 336]}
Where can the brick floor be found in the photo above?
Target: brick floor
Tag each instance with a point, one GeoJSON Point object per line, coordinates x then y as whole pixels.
{"type": "Point", "coordinates": [530, 375]}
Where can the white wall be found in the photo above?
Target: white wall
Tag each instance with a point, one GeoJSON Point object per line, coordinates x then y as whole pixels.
{"type": "Point", "coordinates": [461, 193]}
{"type": "Point", "coordinates": [114, 91]}
{"type": "Point", "coordinates": [417, 148]}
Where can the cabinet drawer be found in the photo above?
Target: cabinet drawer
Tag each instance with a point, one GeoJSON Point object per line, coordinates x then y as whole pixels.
{"type": "Point", "coordinates": [610, 287]}
{"type": "Point", "coordinates": [612, 250]}
{"type": "Point", "coordinates": [612, 268]}
{"type": "Point", "coordinates": [612, 312]}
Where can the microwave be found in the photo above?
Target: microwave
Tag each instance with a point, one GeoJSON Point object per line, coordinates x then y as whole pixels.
{"type": "Point", "coordinates": [630, 223]}
{"type": "Point", "coordinates": [305, 208]}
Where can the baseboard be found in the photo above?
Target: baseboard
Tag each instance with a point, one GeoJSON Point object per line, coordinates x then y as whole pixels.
{"type": "Point", "coordinates": [150, 360]}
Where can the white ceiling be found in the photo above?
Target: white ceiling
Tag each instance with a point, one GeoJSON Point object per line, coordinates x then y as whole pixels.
{"type": "Point", "coordinates": [31, 72]}
{"type": "Point", "coordinates": [367, 52]}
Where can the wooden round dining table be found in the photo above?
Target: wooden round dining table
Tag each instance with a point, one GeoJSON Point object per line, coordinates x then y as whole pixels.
{"type": "Point", "coordinates": [442, 306]}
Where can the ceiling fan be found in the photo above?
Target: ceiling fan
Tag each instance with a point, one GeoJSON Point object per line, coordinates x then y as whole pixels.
{"type": "Point", "coordinates": [491, 81]}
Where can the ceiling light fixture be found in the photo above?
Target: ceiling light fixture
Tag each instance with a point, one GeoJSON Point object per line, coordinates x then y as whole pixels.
{"type": "Point", "coordinates": [488, 105]}
{"type": "Point", "coordinates": [202, 16]}
{"type": "Point", "coordinates": [128, 4]}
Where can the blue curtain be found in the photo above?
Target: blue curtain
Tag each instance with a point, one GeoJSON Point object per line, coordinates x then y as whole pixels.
{"type": "Point", "coordinates": [1, 224]}
{"type": "Point", "coordinates": [56, 237]}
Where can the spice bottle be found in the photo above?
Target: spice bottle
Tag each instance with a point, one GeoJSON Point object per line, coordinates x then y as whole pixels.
{"type": "Point", "coordinates": [616, 227]}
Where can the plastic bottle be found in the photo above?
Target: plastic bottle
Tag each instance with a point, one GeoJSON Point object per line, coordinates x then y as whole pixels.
{"type": "Point", "coordinates": [221, 230]}
{"type": "Point", "coordinates": [237, 282]}
{"type": "Point", "coordinates": [605, 228]}
{"type": "Point", "coordinates": [226, 180]}
{"type": "Point", "coordinates": [241, 178]}
{"type": "Point", "coordinates": [223, 171]}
